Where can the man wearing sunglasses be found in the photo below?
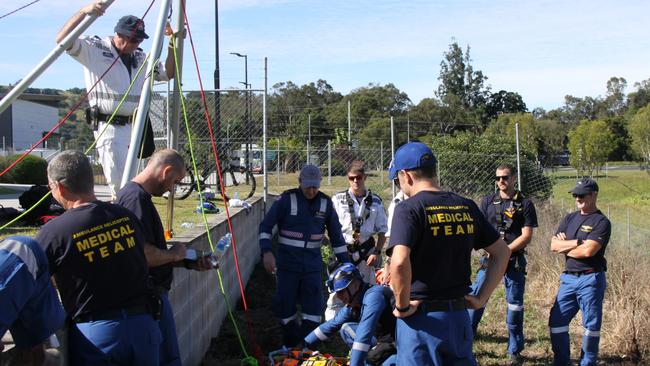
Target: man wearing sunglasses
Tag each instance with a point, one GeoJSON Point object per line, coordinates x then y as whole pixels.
{"type": "Point", "coordinates": [514, 217]}
{"type": "Point", "coordinates": [582, 237]}
{"type": "Point", "coordinates": [96, 55]}
{"type": "Point", "coordinates": [362, 216]}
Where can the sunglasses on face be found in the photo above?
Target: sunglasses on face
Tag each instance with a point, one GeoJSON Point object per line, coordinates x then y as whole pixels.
{"type": "Point", "coordinates": [352, 178]}
{"type": "Point", "coordinates": [579, 195]}
{"type": "Point", "coordinates": [500, 177]}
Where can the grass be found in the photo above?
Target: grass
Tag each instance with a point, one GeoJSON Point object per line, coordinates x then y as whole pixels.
{"type": "Point", "coordinates": [620, 191]}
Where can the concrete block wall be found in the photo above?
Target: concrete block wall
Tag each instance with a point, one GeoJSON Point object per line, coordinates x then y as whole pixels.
{"type": "Point", "coordinates": [196, 297]}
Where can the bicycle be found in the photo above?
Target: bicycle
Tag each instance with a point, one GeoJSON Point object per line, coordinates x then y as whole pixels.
{"type": "Point", "coordinates": [207, 179]}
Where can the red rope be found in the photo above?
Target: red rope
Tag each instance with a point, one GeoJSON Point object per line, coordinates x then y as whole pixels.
{"type": "Point", "coordinates": [257, 349]}
{"type": "Point", "coordinates": [74, 108]}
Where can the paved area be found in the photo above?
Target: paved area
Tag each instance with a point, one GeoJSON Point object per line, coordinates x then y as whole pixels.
{"type": "Point", "coordinates": [11, 200]}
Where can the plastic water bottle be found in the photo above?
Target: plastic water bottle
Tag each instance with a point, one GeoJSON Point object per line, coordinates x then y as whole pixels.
{"type": "Point", "coordinates": [235, 201]}
{"type": "Point", "coordinates": [222, 246]}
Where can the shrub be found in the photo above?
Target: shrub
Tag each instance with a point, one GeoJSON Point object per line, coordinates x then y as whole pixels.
{"type": "Point", "coordinates": [31, 170]}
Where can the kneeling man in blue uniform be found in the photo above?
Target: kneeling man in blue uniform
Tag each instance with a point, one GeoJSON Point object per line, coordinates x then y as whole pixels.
{"type": "Point", "coordinates": [301, 214]}
{"type": "Point", "coordinates": [366, 317]}
{"type": "Point", "coordinates": [29, 306]}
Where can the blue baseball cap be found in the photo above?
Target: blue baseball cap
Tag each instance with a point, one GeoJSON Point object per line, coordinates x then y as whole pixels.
{"type": "Point", "coordinates": [412, 155]}
{"type": "Point", "coordinates": [131, 26]}
{"type": "Point", "coordinates": [310, 176]}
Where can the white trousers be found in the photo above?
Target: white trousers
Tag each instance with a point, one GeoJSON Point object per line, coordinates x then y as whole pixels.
{"type": "Point", "coordinates": [112, 147]}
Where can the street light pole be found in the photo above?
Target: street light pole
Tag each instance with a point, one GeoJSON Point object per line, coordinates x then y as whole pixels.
{"type": "Point", "coordinates": [247, 113]}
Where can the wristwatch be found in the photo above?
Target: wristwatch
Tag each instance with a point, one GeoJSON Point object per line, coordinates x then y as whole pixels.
{"type": "Point", "coordinates": [404, 309]}
{"type": "Point", "coordinates": [579, 241]}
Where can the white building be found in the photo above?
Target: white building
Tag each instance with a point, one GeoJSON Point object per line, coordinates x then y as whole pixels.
{"type": "Point", "coordinates": [27, 120]}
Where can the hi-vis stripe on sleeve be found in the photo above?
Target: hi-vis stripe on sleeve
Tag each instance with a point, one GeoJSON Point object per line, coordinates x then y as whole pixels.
{"type": "Point", "coordinates": [294, 204]}
{"type": "Point", "coordinates": [360, 346]}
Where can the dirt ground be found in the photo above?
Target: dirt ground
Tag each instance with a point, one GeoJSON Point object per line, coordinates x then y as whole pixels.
{"type": "Point", "coordinates": [225, 350]}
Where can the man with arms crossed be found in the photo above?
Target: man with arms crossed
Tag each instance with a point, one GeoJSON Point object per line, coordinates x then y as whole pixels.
{"type": "Point", "coordinates": [582, 237]}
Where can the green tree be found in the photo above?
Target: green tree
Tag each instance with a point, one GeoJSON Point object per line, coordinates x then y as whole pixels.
{"type": "Point", "coordinates": [590, 143]}
{"type": "Point", "coordinates": [504, 102]}
{"type": "Point", "coordinates": [640, 132]}
{"type": "Point", "coordinates": [640, 97]}
{"type": "Point", "coordinates": [457, 77]}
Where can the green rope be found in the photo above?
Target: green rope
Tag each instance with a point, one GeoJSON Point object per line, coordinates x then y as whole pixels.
{"type": "Point", "coordinates": [198, 189]}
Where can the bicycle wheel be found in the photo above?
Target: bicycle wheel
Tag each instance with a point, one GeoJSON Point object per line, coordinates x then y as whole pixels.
{"type": "Point", "coordinates": [243, 182]}
{"type": "Point", "coordinates": [184, 188]}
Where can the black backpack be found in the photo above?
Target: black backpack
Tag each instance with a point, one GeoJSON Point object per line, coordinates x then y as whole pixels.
{"type": "Point", "coordinates": [29, 198]}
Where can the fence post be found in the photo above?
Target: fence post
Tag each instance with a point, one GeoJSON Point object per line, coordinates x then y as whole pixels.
{"type": "Point", "coordinates": [277, 168]}
{"type": "Point", "coordinates": [264, 133]}
{"type": "Point", "coordinates": [381, 164]}
{"type": "Point", "coordinates": [518, 161]}
{"type": "Point", "coordinates": [392, 148]}
{"type": "Point", "coordinates": [329, 162]}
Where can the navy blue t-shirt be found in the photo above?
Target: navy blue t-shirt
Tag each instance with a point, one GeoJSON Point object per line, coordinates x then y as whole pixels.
{"type": "Point", "coordinates": [137, 200]}
{"type": "Point", "coordinates": [523, 214]}
{"type": "Point", "coordinates": [594, 226]}
{"type": "Point", "coordinates": [441, 229]}
{"type": "Point", "coordinates": [96, 255]}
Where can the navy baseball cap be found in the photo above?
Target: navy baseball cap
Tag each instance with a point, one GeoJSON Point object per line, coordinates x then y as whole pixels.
{"type": "Point", "coordinates": [131, 26]}
{"type": "Point", "coordinates": [585, 186]}
{"type": "Point", "coordinates": [310, 176]}
{"type": "Point", "coordinates": [412, 155]}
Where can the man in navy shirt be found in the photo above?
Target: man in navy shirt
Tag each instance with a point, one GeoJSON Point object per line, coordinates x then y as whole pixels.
{"type": "Point", "coordinates": [31, 310]}
{"type": "Point", "coordinates": [301, 215]}
{"type": "Point", "coordinates": [582, 237]}
{"type": "Point", "coordinates": [514, 217]}
{"type": "Point", "coordinates": [165, 168]}
{"type": "Point", "coordinates": [432, 237]}
{"type": "Point", "coordinates": [95, 253]}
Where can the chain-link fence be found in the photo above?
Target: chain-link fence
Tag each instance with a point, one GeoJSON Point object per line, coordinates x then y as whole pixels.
{"type": "Point", "coordinates": [471, 175]}
{"type": "Point", "coordinates": [237, 130]}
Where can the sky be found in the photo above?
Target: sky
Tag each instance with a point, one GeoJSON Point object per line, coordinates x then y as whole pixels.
{"type": "Point", "coordinates": [543, 49]}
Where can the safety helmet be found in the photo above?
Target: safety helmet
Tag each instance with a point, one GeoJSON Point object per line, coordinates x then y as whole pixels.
{"type": "Point", "coordinates": [341, 278]}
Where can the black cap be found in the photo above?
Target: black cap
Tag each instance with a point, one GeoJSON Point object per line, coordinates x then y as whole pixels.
{"type": "Point", "coordinates": [585, 186]}
{"type": "Point", "coordinates": [131, 26]}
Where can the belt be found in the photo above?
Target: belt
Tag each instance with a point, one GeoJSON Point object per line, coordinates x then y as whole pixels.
{"type": "Point", "coordinates": [444, 305]}
{"type": "Point", "coordinates": [114, 314]}
{"type": "Point", "coordinates": [581, 273]}
{"type": "Point", "coordinates": [117, 120]}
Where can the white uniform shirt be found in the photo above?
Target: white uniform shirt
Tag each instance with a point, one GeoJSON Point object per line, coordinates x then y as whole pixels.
{"type": "Point", "coordinates": [399, 197]}
{"type": "Point", "coordinates": [375, 223]}
{"type": "Point", "coordinates": [96, 55]}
